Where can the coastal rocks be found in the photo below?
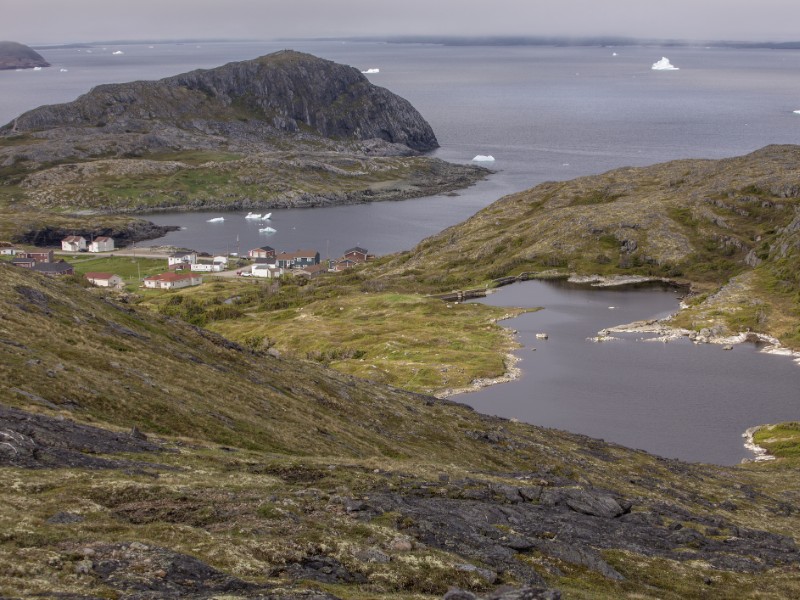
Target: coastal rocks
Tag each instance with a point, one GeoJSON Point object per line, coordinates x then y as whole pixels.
{"type": "Point", "coordinates": [14, 55]}
{"type": "Point", "coordinates": [134, 230]}
{"type": "Point", "coordinates": [281, 94]}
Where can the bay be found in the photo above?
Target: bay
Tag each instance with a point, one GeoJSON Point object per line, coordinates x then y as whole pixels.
{"type": "Point", "coordinates": [544, 113]}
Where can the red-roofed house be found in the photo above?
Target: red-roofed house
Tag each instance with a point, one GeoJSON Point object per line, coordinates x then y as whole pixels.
{"type": "Point", "coordinates": [262, 252]}
{"type": "Point", "coordinates": [104, 279]}
{"type": "Point", "coordinates": [172, 281]}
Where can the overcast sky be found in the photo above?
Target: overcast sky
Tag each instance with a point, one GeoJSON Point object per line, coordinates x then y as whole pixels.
{"type": "Point", "coordinates": [57, 21]}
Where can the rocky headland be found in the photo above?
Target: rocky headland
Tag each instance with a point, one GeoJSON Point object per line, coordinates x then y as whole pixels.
{"type": "Point", "coordinates": [14, 55]}
{"type": "Point", "coordinates": [284, 130]}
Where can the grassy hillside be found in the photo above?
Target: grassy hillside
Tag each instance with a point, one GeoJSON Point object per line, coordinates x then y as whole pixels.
{"type": "Point", "coordinates": [708, 223]}
{"type": "Point", "coordinates": [258, 472]}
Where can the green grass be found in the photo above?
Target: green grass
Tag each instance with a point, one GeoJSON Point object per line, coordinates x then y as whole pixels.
{"type": "Point", "coordinates": [781, 440]}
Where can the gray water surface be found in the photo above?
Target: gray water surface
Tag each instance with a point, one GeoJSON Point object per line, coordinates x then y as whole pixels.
{"type": "Point", "coordinates": [677, 400]}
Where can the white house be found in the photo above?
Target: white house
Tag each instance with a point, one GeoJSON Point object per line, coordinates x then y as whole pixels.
{"type": "Point", "coordinates": [73, 243]}
{"type": "Point", "coordinates": [105, 280]}
{"type": "Point", "coordinates": [266, 270]}
{"type": "Point", "coordinates": [102, 244]}
{"type": "Point", "coordinates": [205, 267]}
{"type": "Point", "coordinates": [172, 281]}
{"type": "Point", "coordinates": [178, 258]}
{"type": "Point", "coordinates": [9, 251]}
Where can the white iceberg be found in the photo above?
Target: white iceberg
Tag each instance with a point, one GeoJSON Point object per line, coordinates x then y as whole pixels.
{"type": "Point", "coordinates": [118, 52]}
{"type": "Point", "coordinates": [484, 158]}
{"type": "Point", "coordinates": [267, 230]}
{"type": "Point", "coordinates": [37, 68]}
{"type": "Point", "coordinates": [664, 65]}
{"type": "Point", "coordinates": [252, 215]}
{"type": "Point", "coordinates": [797, 112]}
{"type": "Point", "coordinates": [63, 70]}
{"type": "Point", "coordinates": [371, 71]}
{"type": "Point", "coordinates": [216, 220]}
{"type": "Point", "coordinates": [266, 216]}
{"type": "Point", "coordinates": [613, 54]}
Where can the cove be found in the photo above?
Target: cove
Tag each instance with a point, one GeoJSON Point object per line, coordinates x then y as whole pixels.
{"type": "Point", "coordinates": [677, 400]}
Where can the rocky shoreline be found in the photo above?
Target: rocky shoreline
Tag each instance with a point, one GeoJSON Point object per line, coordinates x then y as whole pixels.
{"type": "Point", "coordinates": [512, 372]}
{"type": "Point", "coordinates": [760, 454]}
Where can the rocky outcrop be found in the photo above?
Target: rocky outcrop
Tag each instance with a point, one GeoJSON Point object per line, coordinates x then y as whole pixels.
{"type": "Point", "coordinates": [14, 55]}
{"type": "Point", "coordinates": [250, 102]}
{"type": "Point", "coordinates": [132, 231]}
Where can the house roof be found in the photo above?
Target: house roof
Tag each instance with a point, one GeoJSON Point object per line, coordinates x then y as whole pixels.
{"type": "Point", "coordinates": [182, 254]}
{"type": "Point", "coordinates": [357, 249]}
{"type": "Point", "coordinates": [74, 238]}
{"type": "Point", "coordinates": [99, 275]}
{"type": "Point", "coordinates": [171, 277]}
{"type": "Point", "coordinates": [264, 248]}
{"type": "Point", "coordinates": [103, 238]}
{"type": "Point", "coordinates": [22, 261]}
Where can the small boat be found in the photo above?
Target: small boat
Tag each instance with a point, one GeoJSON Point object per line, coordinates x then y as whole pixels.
{"type": "Point", "coordinates": [267, 230]}
{"type": "Point", "coordinates": [216, 220]}
{"type": "Point", "coordinates": [252, 216]}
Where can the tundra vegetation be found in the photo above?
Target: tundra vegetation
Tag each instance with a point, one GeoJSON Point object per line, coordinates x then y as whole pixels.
{"type": "Point", "coordinates": [140, 452]}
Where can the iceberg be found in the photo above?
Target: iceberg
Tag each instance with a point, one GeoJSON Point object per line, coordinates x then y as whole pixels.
{"type": "Point", "coordinates": [37, 68]}
{"type": "Point", "coordinates": [664, 65]}
{"type": "Point", "coordinates": [252, 216]}
{"type": "Point", "coordinates": [371, 71]}
{"type": "Point", "coordinates": [63, 70]}
{"type": "Point", "coordinates": [482, 158]}
{"type": "Point", "coordinates": [118, 52]}
{"type": "Point", "coordinates": [216, 220]}
{"type": "Point", "coordinates": [266, 216]}
{"type": "Point", "coordinates": [797, 112]}
{"type": "Point", "coordinates": [267, 230]}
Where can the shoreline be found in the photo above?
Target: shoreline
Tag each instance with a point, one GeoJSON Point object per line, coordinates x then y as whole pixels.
{"type": "Point", "coordinates": [760, 454]}
{"type": "Point", "coordinates": [512, 372]}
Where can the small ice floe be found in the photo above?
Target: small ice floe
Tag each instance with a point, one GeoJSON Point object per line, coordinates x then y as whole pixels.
{"type": "Point", "coordinates": [266, 216]}
{"type": "Point", "coordinates": [252, 215]}
{"type": "Point", "coordinates": [117, 52]}
{"type": "Point", "coordinates": [37, 68]}
{"type": "Point", "coordinates": [371, 71]}
{"type": "Point", "coordinates": [63, 70]}
{"type": "Point", "coordinates": [216, 220]}
{"type": "Point", "coordinates": [664, 65]}
{"type": "Point", "coordinates": [483, 158]}
{"type": "Point", "coordinates": [267, 230]}
{"type": "Point", "coordinates": [612, 307]}
{"type": "Point", "coordinates": [797, 112]}
{"type": "Point", "coordinates": [542, 336]}
{"type": "Point", "coordinates": [613, 54]}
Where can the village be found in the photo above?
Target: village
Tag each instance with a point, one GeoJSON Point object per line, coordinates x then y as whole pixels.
{"type": "Point", "coordinates": [183, 268]}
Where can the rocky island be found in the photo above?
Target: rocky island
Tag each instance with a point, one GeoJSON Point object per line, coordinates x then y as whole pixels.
{"type": "Point", "coordinates": [284, 130]}
{"type": "Point", "coordinates": [14, 55]}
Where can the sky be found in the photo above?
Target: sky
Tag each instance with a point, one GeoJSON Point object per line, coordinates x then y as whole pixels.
{"type": "Point", "coordinates": [65, 21]}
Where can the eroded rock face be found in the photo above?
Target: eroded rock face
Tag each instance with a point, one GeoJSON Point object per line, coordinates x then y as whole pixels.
{"type": "Point", "coordinates": [282, 93]}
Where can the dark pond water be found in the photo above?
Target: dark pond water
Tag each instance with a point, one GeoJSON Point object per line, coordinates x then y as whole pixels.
{"type": "Point", "coordinates": [677, 400]}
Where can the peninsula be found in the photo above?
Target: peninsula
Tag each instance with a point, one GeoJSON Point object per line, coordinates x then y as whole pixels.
{"type": "Point", "coordinates": [14, 55]}
{"type": "Point", "coordinates": [284, 130]}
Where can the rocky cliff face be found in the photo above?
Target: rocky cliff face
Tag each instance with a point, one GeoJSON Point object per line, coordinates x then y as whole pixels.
{"type": "Point", "coordinates": [14, 55]}
{"type": "Point", "coordinates": [250, 102]}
